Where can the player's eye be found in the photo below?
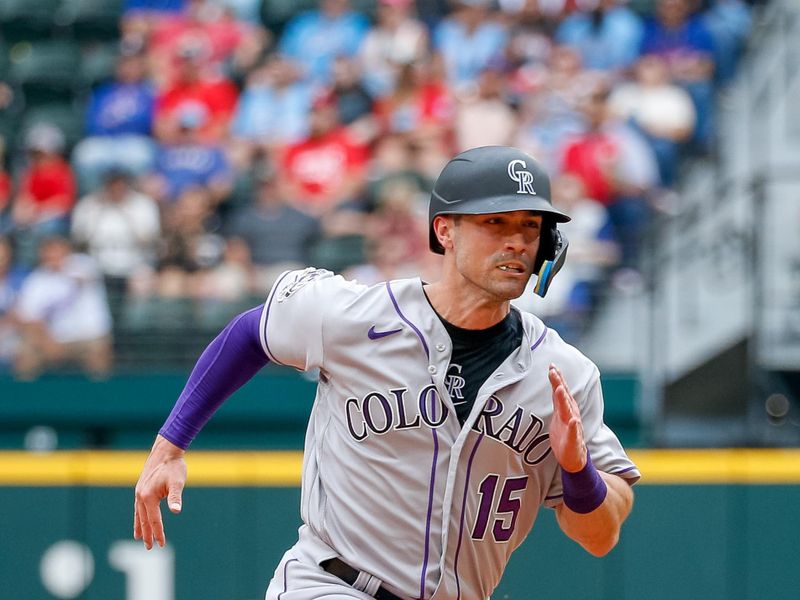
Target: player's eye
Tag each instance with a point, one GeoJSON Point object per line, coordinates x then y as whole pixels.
{"type": "Point", "coordinates": [532, 224]}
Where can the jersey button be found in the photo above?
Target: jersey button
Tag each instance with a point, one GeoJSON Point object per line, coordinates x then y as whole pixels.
{"type": "Point", "coordinates": [441, 347]}
{"type": "Point", "coordinates": [432, 370]}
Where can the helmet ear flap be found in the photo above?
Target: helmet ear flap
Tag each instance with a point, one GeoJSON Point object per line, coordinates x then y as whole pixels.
{"type": "Point", "coordinates": [550, 257]}
{"type": "Point", "coordinates": [547, 244]}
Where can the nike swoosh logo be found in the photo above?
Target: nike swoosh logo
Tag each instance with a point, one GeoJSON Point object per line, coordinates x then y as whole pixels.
{"type": "Point", "coordinates": [376, 335]}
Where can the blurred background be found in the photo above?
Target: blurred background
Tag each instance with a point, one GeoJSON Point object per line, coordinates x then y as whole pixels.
{"type": "Point", "coordinates": [162, 161]}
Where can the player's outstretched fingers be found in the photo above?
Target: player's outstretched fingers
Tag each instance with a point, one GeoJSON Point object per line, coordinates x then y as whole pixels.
{"type": "Point", "coordinates": [560, 395]}
{"type": "Point", "coordinates": [137, 527]}
{"type": "Point", "coordinates": [566, 432]}
{"type": "Point", "coordinates": [142, 524]}
{"type": "Point", "coordinates": [155, 523]}
{"type": "Point", "coordinates": [562, 398]}
{"type": "Point", "coordinates": [149, 510]}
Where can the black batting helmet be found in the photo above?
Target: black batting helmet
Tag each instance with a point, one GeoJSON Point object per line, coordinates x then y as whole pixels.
{"type": "Point", "coordinates": [496, 179]}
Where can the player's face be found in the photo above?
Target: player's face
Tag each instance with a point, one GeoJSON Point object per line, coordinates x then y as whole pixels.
{"type": "Point", "coordinates": [496, 252]}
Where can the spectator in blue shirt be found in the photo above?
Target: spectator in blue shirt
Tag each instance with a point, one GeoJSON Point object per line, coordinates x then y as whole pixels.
{"type": "Point", "coordinates": [608, 36]}
{"type": "Point", "coordinates": [683, 40]}
{"type": "Point", "coordinates": [729, 23]}
{"type": "Point", "coordinates": [315, 38]}
{"type": "Point", "coordinates": [140, 16]}
{"type": "Point", "coordinates": [119, 116]}
{"type": "Point", "coordinates": [188, 163]}
{"type": "Point", "coordinates": [469, 40]}
{"type": "Point", "coordinates": [273, 109]}
{"type": "Point", "coordinates": [159, 6]}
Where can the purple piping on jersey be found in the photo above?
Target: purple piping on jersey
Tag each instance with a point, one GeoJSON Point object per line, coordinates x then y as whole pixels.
{"type": "Point", "coordinates": [435, 449]}
{"type": "Point", "coordinates": [463, 511]}
{"type": "Point", "coordinates": [539, 341]}
{"type": "Point", "coordinates": [266, 319]}
{"type": "Point", "coordinates": [286, 583]}
{"type": "Point", "coordinates": [554, 497]}
{"type": "Point", "coordinates": [624, 471]}
{"type": "Point", "coordinates": [406, 321]}
{"type": "Point", "coordinates": [430, 507]}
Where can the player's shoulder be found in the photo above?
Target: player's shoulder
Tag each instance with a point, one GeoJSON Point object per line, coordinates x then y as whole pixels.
{"type": "Point", "coordinates": [547, 344]}
{"type": "Point", "coordinates": [304, 281]}
{"type": "Point", "coordinates": [324, 286]}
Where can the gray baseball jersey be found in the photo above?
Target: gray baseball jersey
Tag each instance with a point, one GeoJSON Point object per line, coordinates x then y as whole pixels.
{"type": "Point", "coordinates": [392, 483]}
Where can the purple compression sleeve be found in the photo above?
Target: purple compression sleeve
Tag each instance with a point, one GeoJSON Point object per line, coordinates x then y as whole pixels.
{"type": "Point", "coordinates": [226, 364]}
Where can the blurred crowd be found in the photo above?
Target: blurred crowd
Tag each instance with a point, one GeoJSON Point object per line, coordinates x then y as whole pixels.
{"type": "Point", "coordinates": [227, 146]}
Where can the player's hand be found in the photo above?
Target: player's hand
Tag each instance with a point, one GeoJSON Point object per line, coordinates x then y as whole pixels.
{"type": "Point", "coordinates": [163, 476]}
{"type": "Point", "coordinates": [566, 428]}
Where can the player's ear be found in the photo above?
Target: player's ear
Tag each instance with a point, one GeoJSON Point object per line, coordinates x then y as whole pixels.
{"type": "Point", "coordinates": [443, 227]}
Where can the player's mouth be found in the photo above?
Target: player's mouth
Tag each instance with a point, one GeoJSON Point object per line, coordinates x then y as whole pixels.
{"type": "Point", "coordinates": [516, 268]}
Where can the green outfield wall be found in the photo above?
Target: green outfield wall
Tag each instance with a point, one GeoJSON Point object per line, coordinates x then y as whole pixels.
{"type": "Point", "coordinates": [270, 411]}
{"type": "Point", "coordinates": [709, 525]}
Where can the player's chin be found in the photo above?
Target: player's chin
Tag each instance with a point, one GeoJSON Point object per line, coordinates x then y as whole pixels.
{"type": "Point", "coordinates": [510, 287]}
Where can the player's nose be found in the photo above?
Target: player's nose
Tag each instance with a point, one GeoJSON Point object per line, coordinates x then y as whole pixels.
{"type": "Point", "coordinates": [517, 242]}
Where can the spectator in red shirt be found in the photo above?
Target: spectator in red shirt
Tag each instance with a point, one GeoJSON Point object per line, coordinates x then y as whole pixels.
{"type": "Point", "coordinates": [228, 44]}
{"type": "Point", "coordinates": [46, 193]}
{"type": "Point", "coordinates": [617, 168]}
{"type": "Point", "coordinates": [5, 186]}
{"type": "Point", "coordinates": [420, 105]}
{"type": "Point", "coordinates": [213, 95]}
{"type": "Point", "coordinates": [327, 169]}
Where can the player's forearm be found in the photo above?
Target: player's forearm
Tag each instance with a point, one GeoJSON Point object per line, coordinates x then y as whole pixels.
{"type": "Point", "coordinates": [598, 531]}
{"type": "Point", "coordinates": [228, 362]}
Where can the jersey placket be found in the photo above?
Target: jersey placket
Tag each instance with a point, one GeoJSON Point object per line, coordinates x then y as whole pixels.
{"type": "Point", "coordinates": [437, 350]}
{"type": "Point", "coordinates": [512, 370]}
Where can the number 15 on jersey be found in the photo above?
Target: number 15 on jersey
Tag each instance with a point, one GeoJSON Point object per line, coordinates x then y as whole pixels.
{"type": "Point", "coordinates": [503, 510]}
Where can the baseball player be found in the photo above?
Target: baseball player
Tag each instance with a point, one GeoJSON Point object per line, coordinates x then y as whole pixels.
{"type": "Point", "coordinates": [444, 418]}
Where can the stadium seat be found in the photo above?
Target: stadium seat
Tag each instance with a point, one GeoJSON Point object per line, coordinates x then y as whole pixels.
{"type": "Point", "coordinates": [28, 19]}
{"type": "Point", "coordinates": [339, 253]}
{"type": "Point", "coordinates": [644, 8]}
{"type": "Point", "coordinates": [4, 63]}
{"type": "Point", "coordinates": [92, 19]}
{"type": "Point", "coordinates": [168, 324]}
{"type": "Point", "coordinates": [10, 117]}
{"type": "Point", "coordinates": [98, 64]}
{"type": "Point", "coordinates": [276, 13]}
{"type": "Point", "coordinates": [65, 116]}
{"type": "Point", "coordinates": [7, 129]}
{"type": "Point", "coordinates": [213, 315]}
{"type": "Point", "coordinates": [46, 70]}
{"type": "Point", "coordinates": [366, 7]}
{"type": "Point", "coordinates": [167, 314]}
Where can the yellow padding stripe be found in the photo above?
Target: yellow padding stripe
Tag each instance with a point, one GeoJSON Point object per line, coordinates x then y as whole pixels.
{"type": "Point", "coordinates": [277, 469]}
{"type": "Point", "coordinates": [778, 466]}
{"type": "Point", "coordinates": [115, 468]}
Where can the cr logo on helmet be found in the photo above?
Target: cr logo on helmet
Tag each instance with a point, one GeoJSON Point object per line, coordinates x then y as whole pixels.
{"type": "Point", "coordinates": [523, 178]}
